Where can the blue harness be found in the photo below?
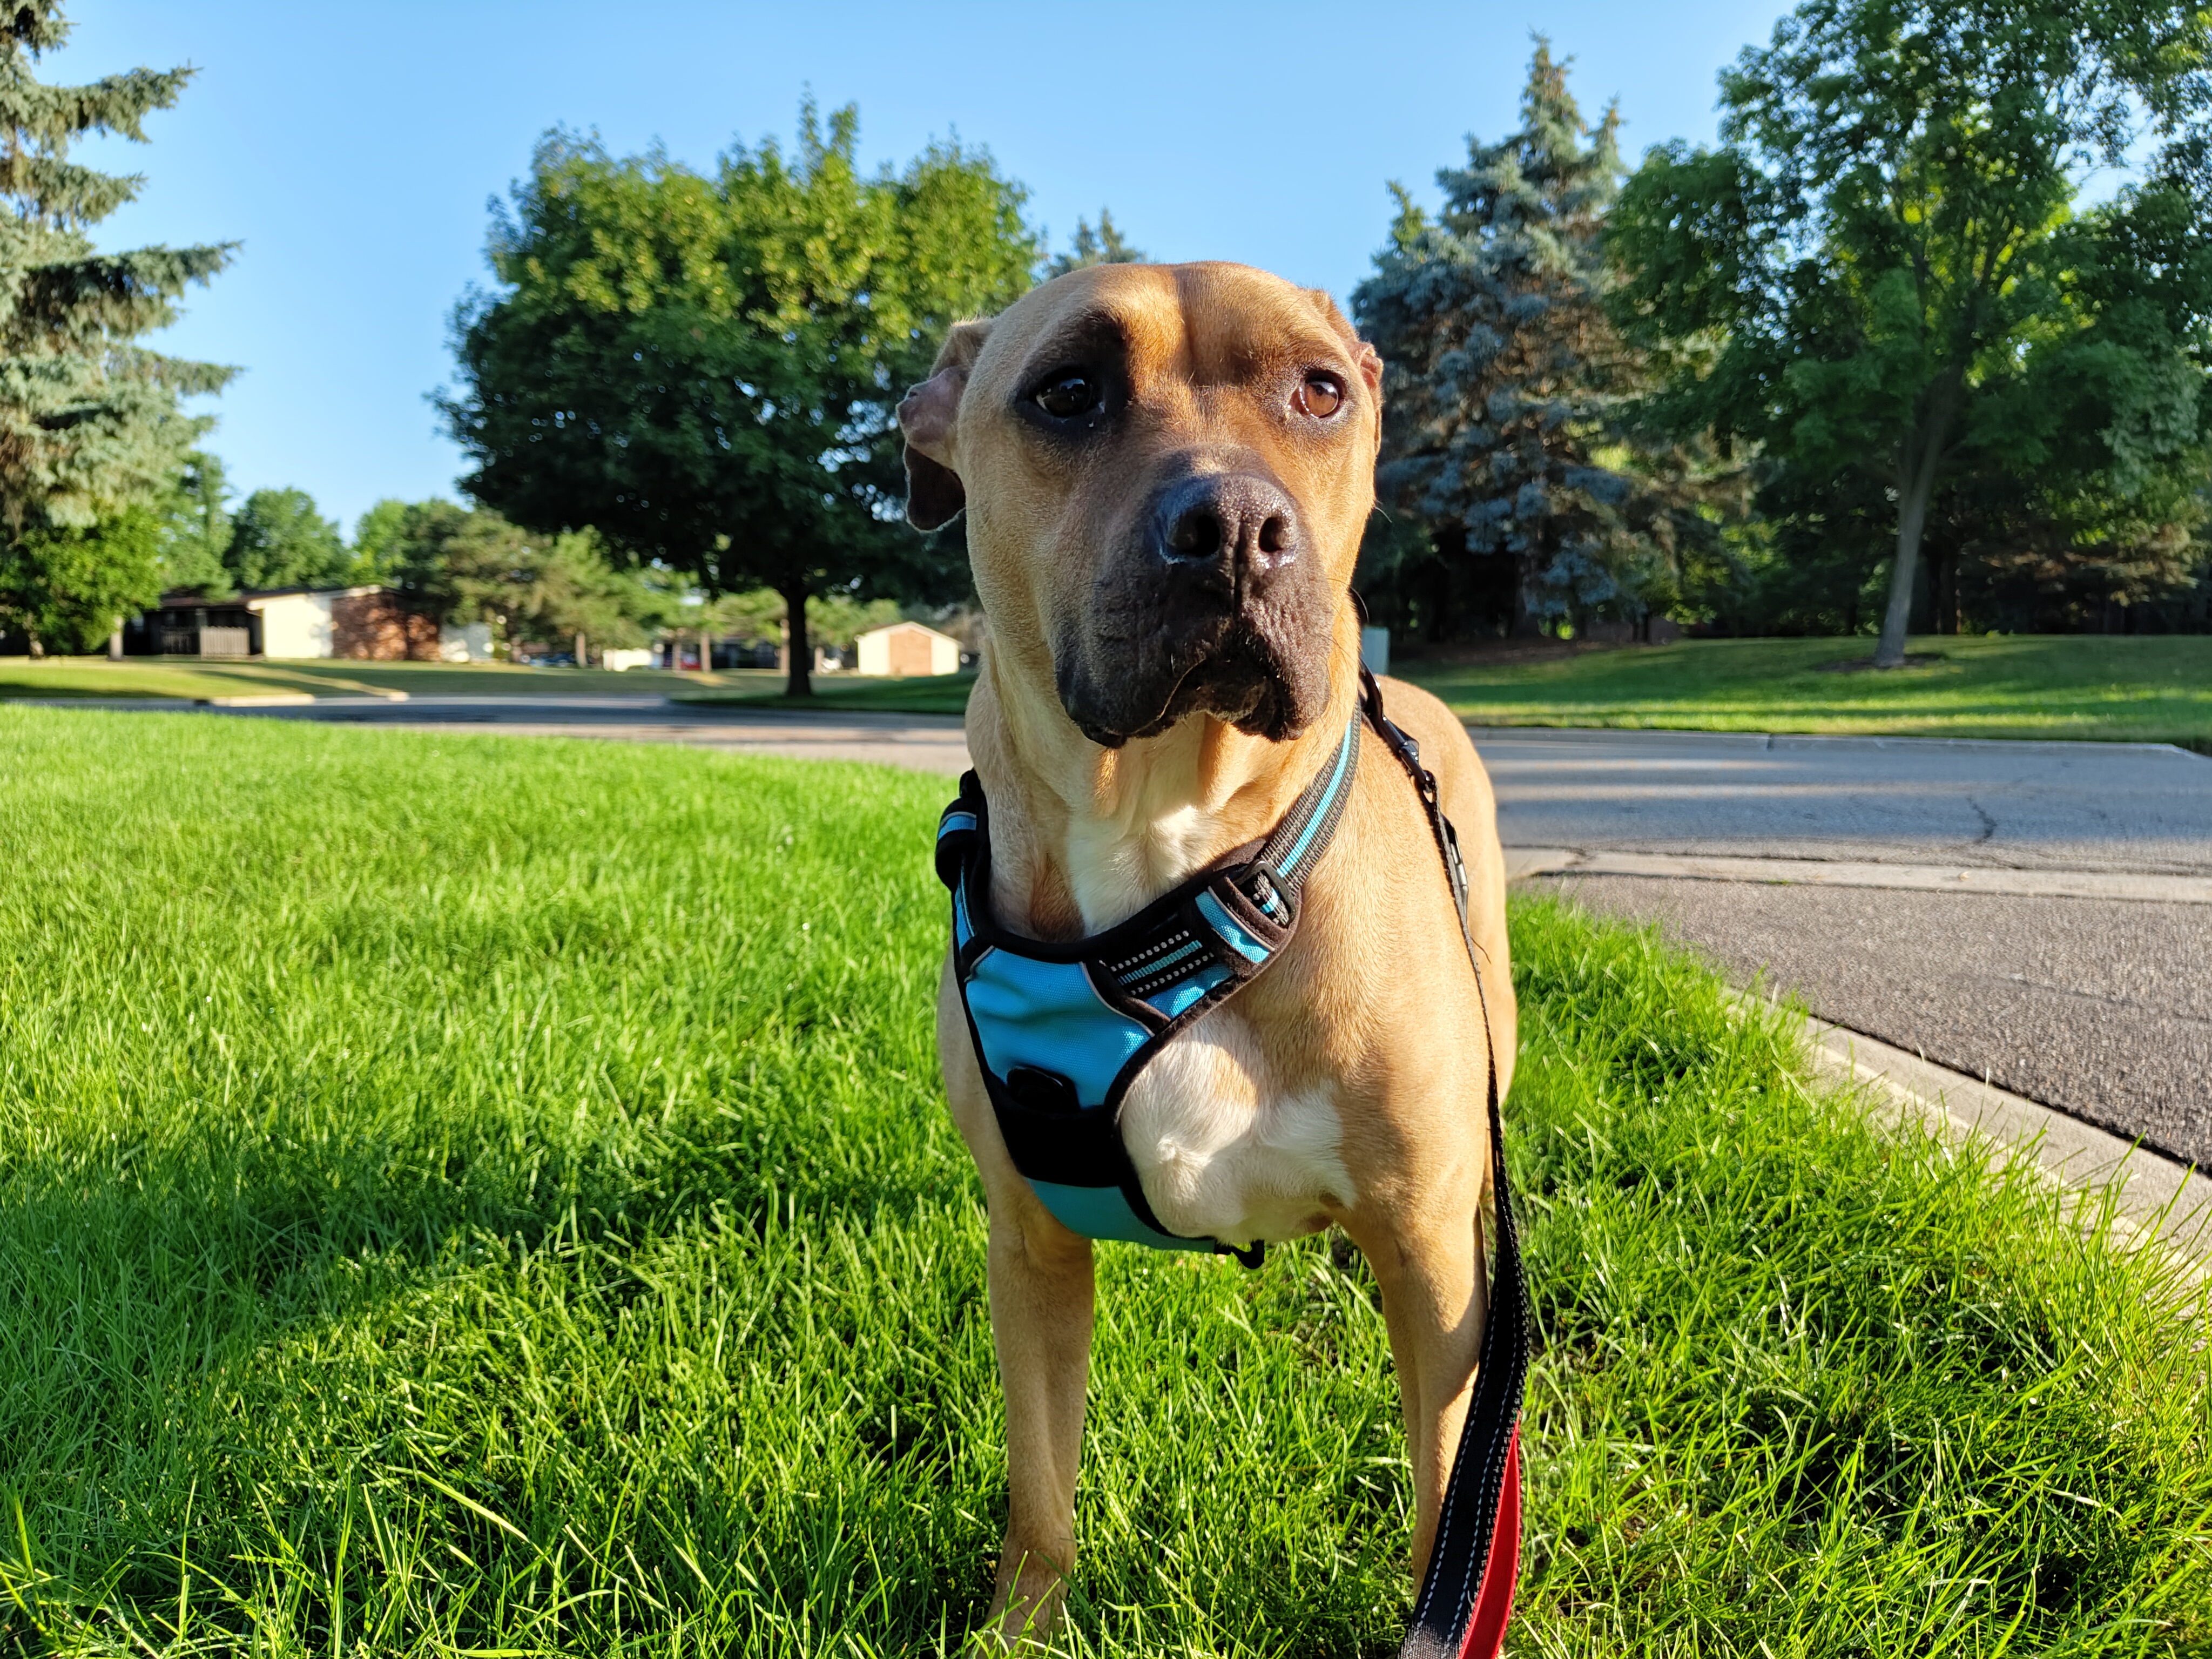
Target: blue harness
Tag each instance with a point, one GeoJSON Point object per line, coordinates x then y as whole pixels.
{"type": "Point", "coordinates": [1061, 1030]}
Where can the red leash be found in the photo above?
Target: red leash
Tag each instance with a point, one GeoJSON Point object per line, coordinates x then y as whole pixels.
{"type": "Point", "coordinates": [1467, 1595]}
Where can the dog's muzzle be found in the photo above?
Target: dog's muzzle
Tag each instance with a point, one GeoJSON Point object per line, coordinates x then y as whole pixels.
{"type": "Point", "coordinates": [1215, 605]}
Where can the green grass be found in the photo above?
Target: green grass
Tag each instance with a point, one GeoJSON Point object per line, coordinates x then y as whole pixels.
{"type": "Point", "coordinates": [469, 1196]}
{"type": "Point", "coordinates": [2153, 690]}
{"type": "Point", "coordinates": [195, 676]}
{"type": "Point", "coordinates": [936, 694]}
{"type": "Point", "coordinates": [2156, 689]}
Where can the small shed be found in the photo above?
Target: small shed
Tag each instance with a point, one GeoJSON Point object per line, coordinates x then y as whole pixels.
{"type": "Point", "coordinates": [907, 648]}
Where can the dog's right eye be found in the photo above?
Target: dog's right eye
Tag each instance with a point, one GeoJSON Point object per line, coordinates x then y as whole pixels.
{"type": "Point", "coordinates": [1067, 394]}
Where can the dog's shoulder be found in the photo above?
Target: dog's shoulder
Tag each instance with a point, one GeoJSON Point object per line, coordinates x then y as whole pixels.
{"type": "Point", "coordinates": [1463, 784]}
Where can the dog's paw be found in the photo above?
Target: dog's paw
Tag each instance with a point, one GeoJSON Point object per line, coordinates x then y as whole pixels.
{"type": "Point", "coordinates": [1026, 1604]}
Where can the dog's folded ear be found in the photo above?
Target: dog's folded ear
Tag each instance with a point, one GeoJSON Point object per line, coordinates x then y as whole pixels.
{"type": "Point", "coordinates": [929, 420]}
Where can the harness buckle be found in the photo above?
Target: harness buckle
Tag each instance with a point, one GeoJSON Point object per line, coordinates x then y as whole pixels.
{"type": "Point", "coordinates": [1264, 886]}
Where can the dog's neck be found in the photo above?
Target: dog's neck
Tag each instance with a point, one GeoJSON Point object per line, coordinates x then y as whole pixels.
{"type": "Point", "coordinates": [1084, 836]}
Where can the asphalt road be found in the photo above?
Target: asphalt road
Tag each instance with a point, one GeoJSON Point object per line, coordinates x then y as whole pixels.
{"type": "Point", "coordinates": [1901, 800]}
{"type": "Point", "coordinates": [2100, 1008]}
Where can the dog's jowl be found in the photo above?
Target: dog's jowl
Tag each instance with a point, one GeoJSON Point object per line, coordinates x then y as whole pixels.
{"type": "Point", "coordinates": [1218, 974]}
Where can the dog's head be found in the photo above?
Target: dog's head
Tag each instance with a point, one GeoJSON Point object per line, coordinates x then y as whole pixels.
{"type": "Point", "coordinates": [1166, 470]}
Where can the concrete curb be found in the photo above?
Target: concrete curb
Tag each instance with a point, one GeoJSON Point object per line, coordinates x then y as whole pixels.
{"type": "Point", "coordinates": [2155, 889]}
{"type": "Point", "coordinates": [2156, 1200]}
{"type": "Point", "coordinates": [1692, 735]}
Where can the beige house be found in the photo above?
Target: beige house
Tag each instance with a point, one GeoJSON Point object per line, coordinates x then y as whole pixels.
{"type": "Point", "coordinates": [907, 649]}
{"type": "Point", "coordinates": [363, 622]}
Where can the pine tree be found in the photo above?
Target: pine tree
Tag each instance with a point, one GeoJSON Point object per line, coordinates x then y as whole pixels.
{"type": "Point", "coordinates": [89, 426]}
{"type": "Point", "coordinates": [1102, 246]}
{"type": "Point", "coordinates": [1507, 381]}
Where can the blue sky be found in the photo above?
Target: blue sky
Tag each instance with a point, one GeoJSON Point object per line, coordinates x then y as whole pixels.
{"type": "Point", "coordinates": [352, 150]}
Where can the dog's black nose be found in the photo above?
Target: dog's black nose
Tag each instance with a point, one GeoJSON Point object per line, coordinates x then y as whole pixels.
{"type": "Point", "coordinates": [1235, 522]}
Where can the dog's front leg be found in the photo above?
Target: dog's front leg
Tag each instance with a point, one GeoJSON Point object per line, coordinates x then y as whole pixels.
{"type": "Point", "coordinates": [1041, 1321]}
{"type": "Point", "coordinates": [1428, 1266]}
{"type": "Point", "coordinates": [1041, 1316]}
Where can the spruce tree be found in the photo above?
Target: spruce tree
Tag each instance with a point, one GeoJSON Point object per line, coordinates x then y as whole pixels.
{"type": "Point", "coordinates": [1506, 381]}
{"type": "Point", "coordinates": [1104, 247]}
{"type": "Point", "coordinates": [90, 425]}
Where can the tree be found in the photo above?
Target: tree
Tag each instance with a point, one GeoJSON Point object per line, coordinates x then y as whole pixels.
{"type": "Point", "coordinates": [196, 528]}
{"type": "Point", "coordinates": [70, 586]}
{"type": "Point", "coordinates": [89, 427]}
{"type": "Point", "coordinates": [1878, 278]}
{"type": "Point", "coordinates": [454, 564]}
{"type": "Point", "coordinates": [1102, 246]}
{"type": "Point", "coordinates": [279, 540]}
{"type": "Point", "coordinates": [1505, 379]}
{"type": "Point", "coordinates": [706, 369]}
{"type": "Point", "coordinates": [378, 535]}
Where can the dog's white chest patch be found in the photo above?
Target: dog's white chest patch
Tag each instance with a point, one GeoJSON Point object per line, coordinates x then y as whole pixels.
{"type": "Point", "coordinates": [1222, 1150]}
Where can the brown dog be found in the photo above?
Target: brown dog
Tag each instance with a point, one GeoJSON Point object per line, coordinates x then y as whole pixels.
{"type": "Point", "coordinates": [1166, 471]}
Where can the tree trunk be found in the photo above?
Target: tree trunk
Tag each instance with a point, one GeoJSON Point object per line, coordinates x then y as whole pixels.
{"type": "Point", "coordinates": [1915, 487]}
{"type": "Point", "coordinates": [583, 651]}
{"type": "Point", "coordinates": [1525, 625]}
{"type": "Point", "coordinates": [1942, 591]}
{"type": "Point", "coordinates": [798, 679]}
{"type": "Point", "coordinates": [115, 643]}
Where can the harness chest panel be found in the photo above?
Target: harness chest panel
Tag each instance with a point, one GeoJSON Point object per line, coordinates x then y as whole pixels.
{"type": "Point", "coordinates": [1061, 1030]}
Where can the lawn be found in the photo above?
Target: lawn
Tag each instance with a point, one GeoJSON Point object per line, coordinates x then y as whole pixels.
{"type": "Point", "coordinates": [197, 676]}
{"type": "Point", "coordinates": [467, 1197]}
{"type": "Point", "coordinates": [2156, 689]}
{"type": "Point", "coordinates": [2140, 690]}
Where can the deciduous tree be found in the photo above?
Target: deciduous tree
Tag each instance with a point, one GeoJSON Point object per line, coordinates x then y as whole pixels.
{"type": "Point", "coordinates": [1880, 278]}
{"type": "Point", "coordinates": [69, 585]}
{"type": "Point", "coordinates": [705, 368]}
{"type": "Point", "coordinates": [454, 564]}
{"type": "Point", "coordinates": [279, 539]}
{"type": "Point", "coordinates": [196, 527]}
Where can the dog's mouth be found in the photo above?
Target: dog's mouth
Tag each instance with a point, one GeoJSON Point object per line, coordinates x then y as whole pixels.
{"type": "Point", "coordinates": [1241, 675]}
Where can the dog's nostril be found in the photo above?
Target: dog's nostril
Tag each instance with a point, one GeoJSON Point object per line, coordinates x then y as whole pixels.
{"type": "Point", "coordinates": [1196, 536]}
{"type": "Point", "coordinates": [1274, 535]}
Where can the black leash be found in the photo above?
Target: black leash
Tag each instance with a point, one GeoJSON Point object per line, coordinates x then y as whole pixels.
{"type": "Point", "coordinates": [1467, 1595]}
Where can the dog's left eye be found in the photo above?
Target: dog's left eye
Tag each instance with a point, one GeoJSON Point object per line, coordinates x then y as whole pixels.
{"type": "Point", "coordinates": [1067, 394]}
{"type": "Point", "coordinates": [1321, 396]}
